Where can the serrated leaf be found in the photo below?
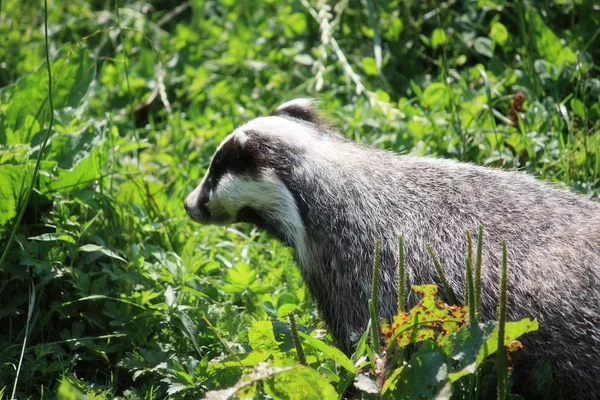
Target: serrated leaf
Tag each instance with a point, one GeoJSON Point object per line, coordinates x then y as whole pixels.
{"type": "Point", "coordinates": [262, 338]}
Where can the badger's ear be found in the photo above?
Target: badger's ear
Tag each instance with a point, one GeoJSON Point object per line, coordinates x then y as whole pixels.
{"type": "Point", "coordinates": [304, 109]}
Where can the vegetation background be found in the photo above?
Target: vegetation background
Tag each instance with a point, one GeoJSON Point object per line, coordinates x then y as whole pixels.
{"type": "Point", "coordinates": [108, 289]}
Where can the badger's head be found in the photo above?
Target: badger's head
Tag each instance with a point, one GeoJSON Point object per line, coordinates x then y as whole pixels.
{"type": "Point", "coordinates": [257, 172]}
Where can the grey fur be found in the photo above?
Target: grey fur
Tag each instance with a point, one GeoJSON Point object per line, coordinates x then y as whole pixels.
{"type": "Point", "coordinates": [349, 195]}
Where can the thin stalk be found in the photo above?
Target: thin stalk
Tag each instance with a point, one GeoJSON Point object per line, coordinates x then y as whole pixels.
{"type": "Point", "coordinates": [447, 289]}
{"type": "Point", "coordinates": [374, 302]}
{"type": "Point", "coordinates": [478, 262]}
{"type": "Point", "coordinates": [401, 276]}
{"type": "Point", "coordinates": [29, 314]}
{"type": "Point", "coordinates": [296, 338]}
{"type": "Point", "coordinates": [501, 358]}
{"type": "Point", "coordinates": [469, 290]}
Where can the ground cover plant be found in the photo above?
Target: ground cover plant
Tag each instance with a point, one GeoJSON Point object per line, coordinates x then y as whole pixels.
{"type": "Point", "coordinates": [110, 110]}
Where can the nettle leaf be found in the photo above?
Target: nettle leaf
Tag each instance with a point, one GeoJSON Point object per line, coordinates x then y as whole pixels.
{"type": "Point", "coordinates": [329, 351]}
{"type": "Point", "coordinates": [242, 278]}
{"type": "Point", "coordinates": [261, 336]}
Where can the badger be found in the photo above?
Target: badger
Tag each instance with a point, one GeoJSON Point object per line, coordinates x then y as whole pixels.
{"type": "Point", "coordinates": [329, 199]}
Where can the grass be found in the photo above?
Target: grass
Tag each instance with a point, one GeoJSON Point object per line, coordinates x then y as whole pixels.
{"type": "Point", "coordinates": [108, 289]}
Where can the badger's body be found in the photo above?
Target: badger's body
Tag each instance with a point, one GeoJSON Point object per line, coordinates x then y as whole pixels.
{"type": "Point", "coordinates": [330, 199]}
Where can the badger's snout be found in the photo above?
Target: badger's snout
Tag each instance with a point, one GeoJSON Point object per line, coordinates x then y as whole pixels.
{"type": "Point", "coordinates": [195, 205]}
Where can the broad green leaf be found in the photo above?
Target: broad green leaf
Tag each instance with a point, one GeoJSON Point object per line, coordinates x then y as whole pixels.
{"type": "Point", "coordinates": [436, 95]}
{"type": "Point", "coordinates": [329, 351]}
{"type": "Point", "coordinates": [476, 344]}
{"type": "Point", "coordinates": [72, 77]}
{"type": "Point", "coordinates": [297, 382]}
{"type": "Point", "coordinates": [578, 107]}
{"type": "Point", "coordinates": [14, 180]}
{"type": "Point", "coordinates": [425, 377]}
{"type": "Point", "coordinates": [547, 43]}
{"type": "Point", "coordinates": [261, 337]}
{"type": "Point", "coordinates": [300, 383]}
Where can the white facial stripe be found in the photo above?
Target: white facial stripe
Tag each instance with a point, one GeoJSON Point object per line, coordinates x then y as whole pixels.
{"type": "Point", "coordinates": [238, 135]}
{"type": "Point", "coordinates": [283, 128]}
{"type": "Point", "coordinates": [266, 193]}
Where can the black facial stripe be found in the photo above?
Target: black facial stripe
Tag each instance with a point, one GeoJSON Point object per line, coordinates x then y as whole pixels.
{"type": "Point", "coordinates": [231, 157]}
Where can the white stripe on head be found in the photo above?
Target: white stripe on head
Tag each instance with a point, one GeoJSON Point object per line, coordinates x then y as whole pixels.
{"type": "Point", "coordinates": [265, 193]}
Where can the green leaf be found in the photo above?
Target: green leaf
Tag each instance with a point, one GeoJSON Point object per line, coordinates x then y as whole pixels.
{"type": "Point", "coordinates": [72, 81]}
{"type": "Point", "coordinates": [14, 179]}
{"type": "Point", "coordinates": [294, 24]}
{"type": "Point", "coordinates": [393, 30]}
{"type": "Point", "coordinates": [426, 377]}
{"type": "Point", "coordinates": [329, 351]}
{"type": "Point", "coordinates": [52, 237]}
{"type": "Point", "coordinates": [498, 33]}
{"type": "Point", "coordinates": [578, 107]}
{"type": "Point", "coordinates": [438, 38]}
{"type": "Point", "coordinates": [436, 95]}
{"type": "Point", "coordinates": [370, 66]}
{"type": "Point", "coordinates": [189, 330]}
{"type": "Point", "coordinates": [298, 384]}
{"type": "Point", "coordinates": [90, 248]}
{"type": "Point", "coordinates": [483, 46]}
{"type": "Point", "coordinates": [261, 336]}
{"type": "Point", "coordinates": [240, 278]}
